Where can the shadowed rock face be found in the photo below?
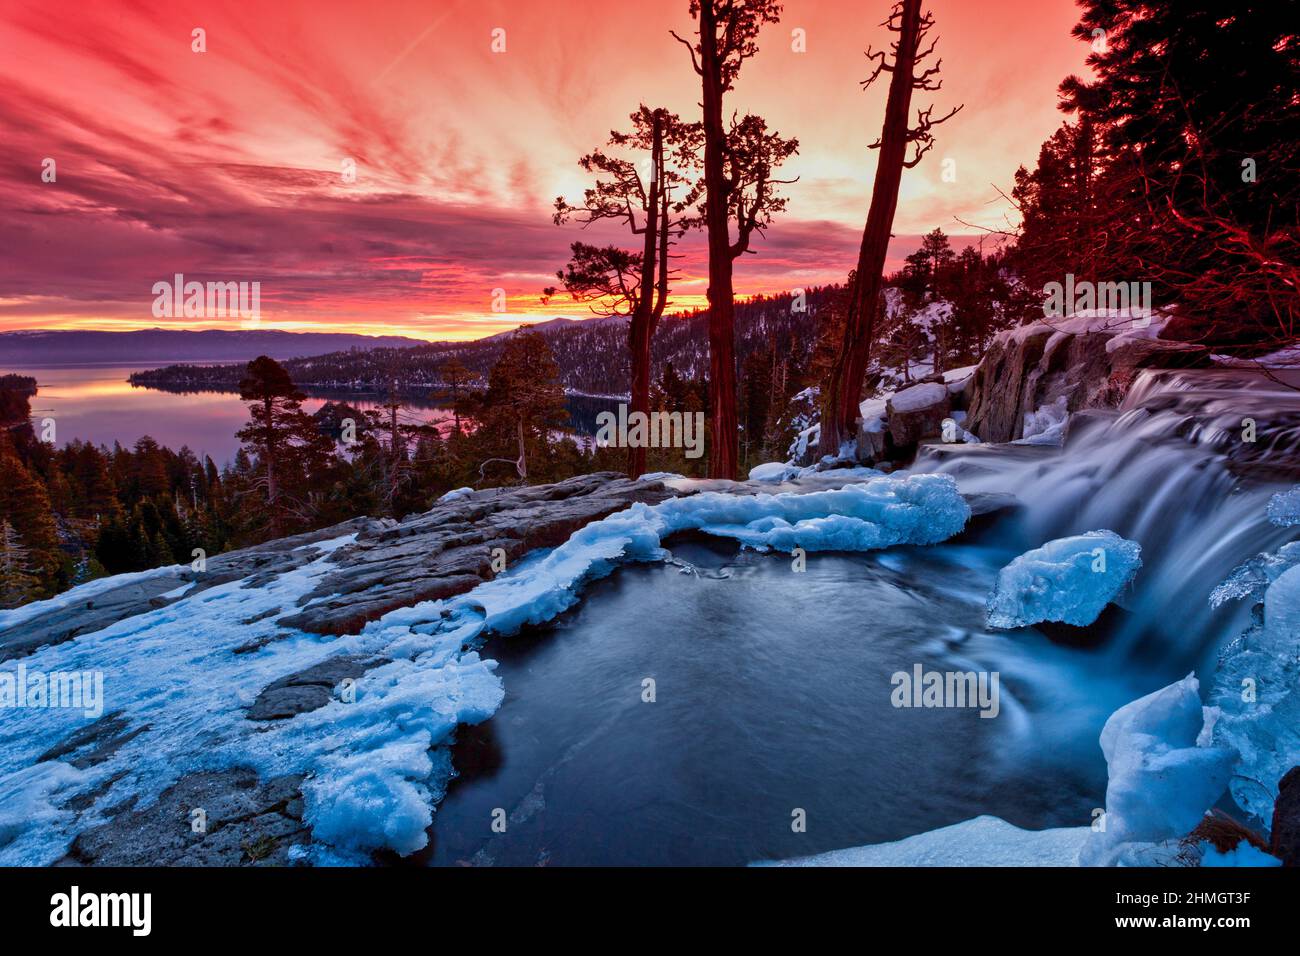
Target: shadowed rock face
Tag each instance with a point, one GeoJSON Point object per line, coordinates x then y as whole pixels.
{"type": "Point", "coordinates": [1036, 366]}
{"type": "Point", "coordinates": [1286, 819]}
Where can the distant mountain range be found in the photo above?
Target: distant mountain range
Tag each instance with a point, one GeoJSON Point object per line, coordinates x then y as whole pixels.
{"type": "Point", "coordinates": [592, 354]}
{"type": "Point", "coordinates": [40, 347]}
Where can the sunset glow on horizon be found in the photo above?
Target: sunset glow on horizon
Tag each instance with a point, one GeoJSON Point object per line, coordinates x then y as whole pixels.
{"type": "Point", "coordinates": [229, 165]}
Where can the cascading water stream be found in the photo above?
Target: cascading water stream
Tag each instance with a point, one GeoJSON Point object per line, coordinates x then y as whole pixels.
{"type": "Point", "coordinates": [1173, 469]}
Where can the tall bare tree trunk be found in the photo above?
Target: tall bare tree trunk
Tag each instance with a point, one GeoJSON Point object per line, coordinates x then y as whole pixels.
{"type": "Point", "coordinates": [521, 466]}
{"type": "Point", "coordinates": [395, 459]}
{"type": "Point", "coordinates": [844, 390]}
{"type": "Point", "coordinates": [272, 493]}
{"type": "Point", "coordinates": [722, 308]}
{"type": "Point", "coordinates": [643, 319]}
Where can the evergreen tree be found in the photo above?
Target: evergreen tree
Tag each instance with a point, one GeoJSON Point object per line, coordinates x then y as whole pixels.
{"type": "Point", "coordinates": [25, 505]}
{"type": "Point", "coordinates": [19, 580]}
{"type": "Point", "coordinates": [523, 404]}
{"type": "Point", "coordinates": [289, 448]}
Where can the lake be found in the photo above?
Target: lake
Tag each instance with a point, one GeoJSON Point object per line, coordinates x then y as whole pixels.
{"type": "Point", "coordinates": [98, 404]}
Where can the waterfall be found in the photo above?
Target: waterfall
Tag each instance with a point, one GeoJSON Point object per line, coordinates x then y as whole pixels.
{"type": "Point", "coordinates": [1172, 469]}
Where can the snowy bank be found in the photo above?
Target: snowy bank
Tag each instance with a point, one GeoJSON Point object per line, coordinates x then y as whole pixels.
{"type": "Point", "coordinates": [982, 841]}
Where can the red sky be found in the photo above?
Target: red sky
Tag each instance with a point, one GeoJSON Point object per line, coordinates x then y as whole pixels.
{"type": "Point", "coordinates": [226, 165]}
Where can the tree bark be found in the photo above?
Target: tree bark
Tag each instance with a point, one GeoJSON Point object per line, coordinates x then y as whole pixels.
{"type": "Point", "coordinates": [643, 317]}
{"type": "Point", "coordinates": [272, 497]}
{"type": "Point", "coordinates": [521, 466]}
{"type": "Point", "coordinates": [844, 389]}
{"type": "Point", "coordinates": [722, 347]}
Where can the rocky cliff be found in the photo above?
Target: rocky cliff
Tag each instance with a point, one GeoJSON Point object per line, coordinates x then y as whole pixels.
{"type": "Point", "coordinates": [1067, 364]}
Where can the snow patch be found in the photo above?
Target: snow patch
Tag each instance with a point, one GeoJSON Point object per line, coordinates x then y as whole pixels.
{"type": "Point", "coordinates": [918, 397]}
{"type": "Point", "coordinates": [982, 841]}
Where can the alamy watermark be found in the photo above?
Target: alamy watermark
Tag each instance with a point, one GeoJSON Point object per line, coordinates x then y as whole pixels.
{"type": "Point", "coordinates": [651, 430]}
{"type": "Point", "coordinates": [1071, 297]}
{"type": "Point", "coordinates": [82, 690]}
{"type": "Point", "coordinates": [75, 908]}
{"type": "Point", "coordinates": [211, 300]}
{"type": "Point", "coordinates": [922, 688]}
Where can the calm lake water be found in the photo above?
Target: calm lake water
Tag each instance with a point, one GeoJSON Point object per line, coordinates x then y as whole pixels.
{"type": "Point", "coordinates": [98, 404]}
{"type": "Point", "coordinates": [772, 693]}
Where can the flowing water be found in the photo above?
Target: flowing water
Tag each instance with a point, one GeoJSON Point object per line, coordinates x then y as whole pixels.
{"type": "Point", "coordinates": [772, 689]}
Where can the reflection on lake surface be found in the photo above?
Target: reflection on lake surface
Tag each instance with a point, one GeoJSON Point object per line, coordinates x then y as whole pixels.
{"type": "Point", "coordinates": [98, 404]}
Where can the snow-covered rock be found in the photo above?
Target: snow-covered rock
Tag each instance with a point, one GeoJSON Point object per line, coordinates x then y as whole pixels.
{"type": "Point", "coordinates": [1162, 773]}
{"type": "Point", "coordinates": [1069, 580]}
{"type": "Point", "coordinates": [877, 513]}
{"type": "Point", "coordinates": [918, 412]}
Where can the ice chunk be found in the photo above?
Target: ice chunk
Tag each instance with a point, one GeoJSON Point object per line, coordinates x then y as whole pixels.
{"type": "Point", "coordinates": [1284, 508]}
{"type": "Point", "coordinates": [983, 841]}
{"type": "Point", "coordinates": [878, 513]}
{"type": "Point", "coordinates": [1257, 689]}
{"type": "Point", "coordinates": [1161, 780]}
{"type": "Point", "coordinates": [1069, 579]}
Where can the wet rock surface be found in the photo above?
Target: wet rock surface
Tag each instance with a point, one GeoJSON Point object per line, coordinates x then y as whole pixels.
{"type": "Point", "coordinates": [95, 742]}
{"type": "Point", "coordinates": [310, 688]}
{"type": "Point", "coordinates": [1286, 819]}
{"type": "Point", "coordinates": [241, 821]}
